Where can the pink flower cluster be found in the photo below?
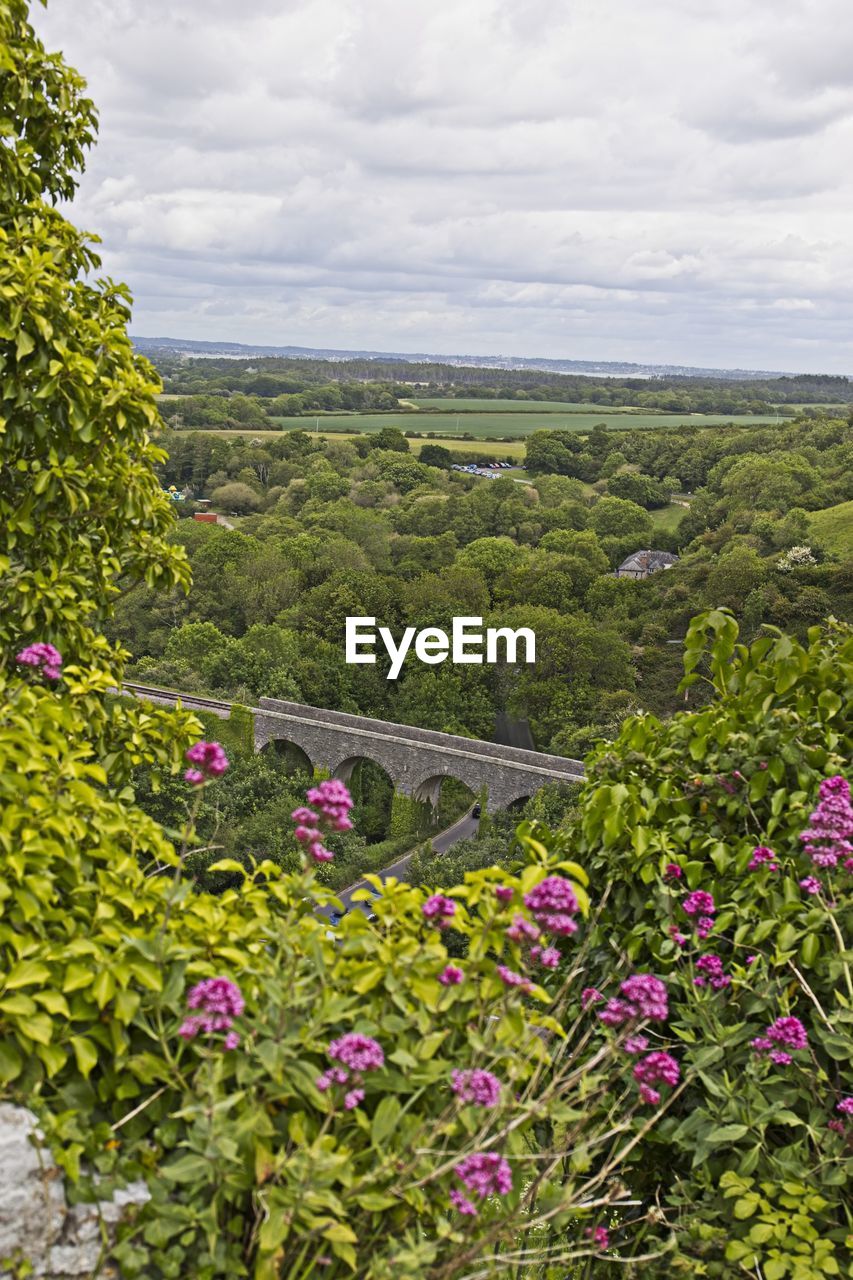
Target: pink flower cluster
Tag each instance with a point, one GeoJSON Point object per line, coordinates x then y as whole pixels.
{"type": "Point", "coordinates": [476, 1086]}
{"type": "Point", "coordinates": [673, 871]}
{"type": "Point", "coordinates": [220, 1001]}
{"type": "Point", "coordinates": [828, 838]}
{"type": "Point", "coordinates": [763, 857]}
{"type": "Point", "coordinates": [784, 1031]}
{"type": "Point", "coordinates": [656, 1068]}
{"type": "Point", "coordinates": [845, 1106]}
{"type": "Point", "coordinates": [700, 904]}
{"type": "Point", "coordinates": [553, 905]}
{"type": "Point", "coordinates": [504, 893]}
{"type": "Point", "coordinates": [644, 999]}
{"type": "Point", "coordinates": [512, 979]}
{"type": "Point", "coordinates": [522, 928]}
{"type": "Point", "coordinates": [439, 910]}
{"type": "Point", "coordinates": [599, 1236]}
{"type": "Point", "coordinates": [43, 657]}
{"type": "Point", "coordinates": [451, 975]}
{"type": "Point", "coordinates": [333, 802]}
{"type": "Point", "coordinates": [711, 971]}
{"type": "Point", "coordinates": [358, 1053]}
{"type": "Point", "coordinates": [484, 1173]}
{"type": "Point", "coordinates": [331, 805]}
{"type": "Point", "coordinates": [811, 884]}
{"type": "Point", "coordinates": [208, 760]}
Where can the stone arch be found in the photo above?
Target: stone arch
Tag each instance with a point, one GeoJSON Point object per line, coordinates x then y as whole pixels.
{"type": "Point", "coordinates": [429, 789]}
{"type": "Point", "coordinates": [294, 757]}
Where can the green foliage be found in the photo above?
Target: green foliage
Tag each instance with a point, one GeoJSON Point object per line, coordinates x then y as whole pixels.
{"type": "Point", "coordinates": [702, 791]}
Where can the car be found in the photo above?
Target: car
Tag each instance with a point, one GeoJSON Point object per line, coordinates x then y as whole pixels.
{"type": "Point", "coordinates": [476, 811]}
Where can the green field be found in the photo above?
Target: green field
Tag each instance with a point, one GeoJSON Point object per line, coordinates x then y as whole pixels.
{"type": "Point", "coordinates": [485, 426]}
{"type": "Point", "coordinates": [668, 517]}
{"type": "Point", "coordinates": [833, 528]}
{"type": "Point", "coordinates": [491, 448]}
{"type": "Point", "coordinates": [443, 405]}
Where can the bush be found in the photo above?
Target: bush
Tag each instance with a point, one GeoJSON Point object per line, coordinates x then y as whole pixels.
{"type": "Point", "coordinates": [747, 1164]}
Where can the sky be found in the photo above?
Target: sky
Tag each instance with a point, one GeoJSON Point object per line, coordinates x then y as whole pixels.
{"type": "Point", "coordinates": [666, 181]}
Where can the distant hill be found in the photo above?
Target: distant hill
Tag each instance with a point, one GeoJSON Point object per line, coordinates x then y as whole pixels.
{"type": "Point", "coordinates": [593, 368]}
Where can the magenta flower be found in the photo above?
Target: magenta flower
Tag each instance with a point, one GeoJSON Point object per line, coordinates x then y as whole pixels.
{"type": "Point", "coordinates": [673, 871]}
{"type": "Point", "coordinates": [478, 1087]}
{"type": "Point", "coordinates": [648, 1094]}
{"type": "Point", "coordinates": [828, 838]}
{"type": "Point", "coordinates": [837, 1126]}
{"type": "Point", "coordinates": [590, 995]}
{"type": "Point", "coordinates": [553, 904]}
{"type": "Point", "coordinates": [209, 760]}
{"type": "Point", "coordinates": [42, 657]}
{"type": "Point", "coordinates": [549, 958]}
{"type": "Point", "coordinates": [704, 925]}
{"type": "Point", "coordinates": [333, 802]}
{"type": "Point", "coordinates": [763, 857]}
{"type": "Point", "coordinates": [657, 1068]}
{"type": "Point", "coordinates": [789, 1032]}
{"type": "Point", "coordinates": [521, 928]}
{"type": "Point", "coordinates": [845, 1106]}
{"type": "Point", "coordinates": [484, 1174]}
{"type": "Point", "coordinates": [811, 885]}
{"type": "Point", "coordinates": [512, 979]}
{"type": "Point", "coordinates": [353, 1098]}
{"type": "Point", "coordinates": [751, 959]}
{"type": "Point", "coordinates": [219, 1001]}
{"type": "Point", "coordinates": [643, 998]}
{"type": "Point", "coordinates": [439, 909]}
{"type": "Point", "coordinates": [711, 968]}
{"type": "Point", "coordinates": [504, 893]}
{"type": "Point", "coordinates": [358, 1052]}
{"type": "Point", "coordinates": [698, 903]}
{"type": "Point", "coordinates": [451, 975]}
{"type": "Point", "coordinates": [599, 1236]}
{"type": "Point", "coordinates": [636, 1044]}
{"type": "Point", "coordinates": [463, 1204]}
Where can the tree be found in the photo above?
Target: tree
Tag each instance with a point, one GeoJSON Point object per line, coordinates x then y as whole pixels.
{"type": "Point", "coordinates": [615, 517]}
{"type": "Point", "coordinates": [237, 497]}
{"type": "Point", "coordinates": [435, 455]}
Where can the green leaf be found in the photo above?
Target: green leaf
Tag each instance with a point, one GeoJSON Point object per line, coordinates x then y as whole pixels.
{"type": "Point", "coordinates": [726, 1133]}
{"type": "Point", "coordinates": [85, 1053]}
{"type": "Point", "coordinates": [385, 1120]}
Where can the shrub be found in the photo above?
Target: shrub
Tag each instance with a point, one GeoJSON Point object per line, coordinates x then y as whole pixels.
{"type": "Point", "coordinates": [748, 1163]}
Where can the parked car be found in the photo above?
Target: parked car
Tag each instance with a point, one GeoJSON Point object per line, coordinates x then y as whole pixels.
{"type": "Point", "coordinates": [477, 810]}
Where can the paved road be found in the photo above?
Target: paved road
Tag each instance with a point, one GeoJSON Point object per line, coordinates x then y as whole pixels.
{"type": "Point", "coordinates": [463, 829]}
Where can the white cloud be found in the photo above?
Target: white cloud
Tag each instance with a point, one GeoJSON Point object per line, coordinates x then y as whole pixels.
{"type": "Point", "coordinates": [595, 178]}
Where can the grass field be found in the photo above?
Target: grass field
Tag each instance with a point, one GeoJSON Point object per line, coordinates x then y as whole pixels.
{"type": "Point", "coordinates": [491, 448]}
{"type": "Point", "coordinates": [833, 528]}
{"type": "Point", "coordinates": [442, 405]}
{"type": "Point", "coordinates": [485, 426]}
{"type": "Point", "coordinates": [668, 517]}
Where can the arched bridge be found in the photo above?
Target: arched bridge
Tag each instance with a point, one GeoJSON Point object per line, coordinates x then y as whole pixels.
{"type": "Point", "coordinates": [416, 760]}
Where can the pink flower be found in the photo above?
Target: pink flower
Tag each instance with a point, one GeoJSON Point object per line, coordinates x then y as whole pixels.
{"type": "Point", "coordinates": [440, 909]}
{"type": "Point", "coordinates": [762, 856]}
{"type": "Point", "coordinates": [788, 1031]}
{"type": "Point", "coordinates": [319, 852]}
{"type": "Point", "coordinates": [42, 656]}
{"type": "Point", "coordinates": [837, 1126]}
{"type": "Point", "coordinates": [333, 802]}
{"type": "Point", "coordinates": [521, 928]}
{"type": "Point", "coordinates": [704, 925]}
{"type": "Point", "coordinates": [463, 1204]}
{"type": "Point", "coordinates": [780, 1058]}
{"type": "Point", "coordinates": [504, 893]}
{"type": "Point", "coordinates": [553, 904]}
{"type": "Point", "coordinates": [599, 1236]}
{"type": "Point", "coordinates": [845, 1106]}
{"type": "Point", "coordinates": [209, 761]}
{"type": "Point", "coordinates": [549, 958]}
{"type": "Point", "coordinates": [478, 1087]}
{"type": "Point", "coordinates": [450, 976]}
{"type": "Point", "coordinates": [304, 816]}
{"type": "Point", "coordinates": [358, 1052]}
{"type": "Point", "coordinates": [512, 979]}
{"type": "Point", "coordinates": [218, 1001]}
{"type": "Point", "coordinates": [590, 995]}
{"type": "Point", "coordinates": [811, 884]}
{"type": "Point", "coordinates": [829, 835]}
{"type": "Point", "coordinates": [698, 903]}
{"type": "Point", "coordinates": [673, 871]}
{"type": "Point", "coordinates": [711, 967]}
{"type": "Point", "coordinates": [678, 938]}
{"type": "Point", "coordinates": [485, 1174]}
{"type": "Point", "coordinates": [751, 959]}
{"type": "Point", "coordinates": [636, 1044]}
{"type": "Point", "coordinates": [353, 1098]}
{"type": "Point", "coordinates": [648, 1094]}
{"type": "Point", "coordinates": [657, 1068]}
{"type": "Point", "coordinates": [648, 994]}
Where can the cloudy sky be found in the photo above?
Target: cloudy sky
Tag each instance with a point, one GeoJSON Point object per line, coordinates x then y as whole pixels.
{"type": "Point", "coordinates": [662, 181]}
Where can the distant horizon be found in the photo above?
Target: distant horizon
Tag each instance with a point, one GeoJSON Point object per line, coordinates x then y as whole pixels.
{"type": "Point", "coordinates": [268, 350]}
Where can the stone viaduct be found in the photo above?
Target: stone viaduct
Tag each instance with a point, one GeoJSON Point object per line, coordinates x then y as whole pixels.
{"type": "Point", "coordinates": [416, 760]}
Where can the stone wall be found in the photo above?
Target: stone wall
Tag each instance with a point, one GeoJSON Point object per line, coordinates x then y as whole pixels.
{"type": "Point", "coordinates": [37, 1225]}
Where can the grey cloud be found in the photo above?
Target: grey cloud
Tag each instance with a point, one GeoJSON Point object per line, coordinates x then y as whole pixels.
{"type": "Point", "coordinates": [593, 178]}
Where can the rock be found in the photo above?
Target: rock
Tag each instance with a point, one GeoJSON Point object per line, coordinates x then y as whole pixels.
{"type": "Point", "coordinates": [37, 1225]}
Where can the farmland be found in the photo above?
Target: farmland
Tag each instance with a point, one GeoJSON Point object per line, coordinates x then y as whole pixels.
{"type": "Point", "coordinates": [833, 528]}
{"type": "Point", "coordinates": [494, 425]}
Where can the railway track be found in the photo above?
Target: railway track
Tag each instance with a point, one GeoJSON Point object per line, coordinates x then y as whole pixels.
{"type": "Point", "coordinates": [172, 696]}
